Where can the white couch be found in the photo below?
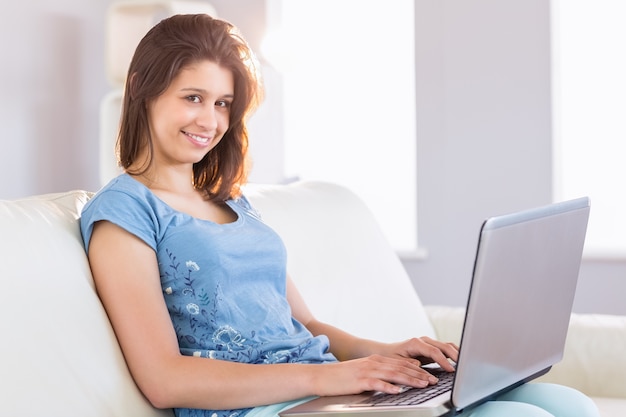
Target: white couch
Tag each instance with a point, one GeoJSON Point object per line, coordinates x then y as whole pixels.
{"type": "Point", "coordinates": [59, 355]}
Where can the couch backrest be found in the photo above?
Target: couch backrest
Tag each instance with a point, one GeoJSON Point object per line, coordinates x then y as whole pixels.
{"type": "Point", "coordinates": [341, 261]}
{"type": "Point", "coordinates": [59, 356]}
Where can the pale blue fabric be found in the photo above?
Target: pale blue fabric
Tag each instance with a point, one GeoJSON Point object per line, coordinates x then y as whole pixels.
{"type": "Point", "coordinates": [533, 399]}
{"type": "Point", "coordinates": [224, 284]}
{"type": "Point", "coordinates": [272, 410]}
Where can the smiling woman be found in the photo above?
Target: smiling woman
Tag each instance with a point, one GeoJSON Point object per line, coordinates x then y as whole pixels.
{"type": "Point", "coordinates": [231, 93]}
{"type": "Point", "coordinates": [188, 271]}
{"type": "Point", "coordinates": [194, 108]}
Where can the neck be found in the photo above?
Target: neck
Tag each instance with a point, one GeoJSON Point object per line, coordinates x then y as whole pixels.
{"type": "Point", "coordinates": [178, 181]}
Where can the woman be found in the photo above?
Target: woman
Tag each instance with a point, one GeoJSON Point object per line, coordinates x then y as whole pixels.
{"type": "Point", "coordinates": [186, 270]}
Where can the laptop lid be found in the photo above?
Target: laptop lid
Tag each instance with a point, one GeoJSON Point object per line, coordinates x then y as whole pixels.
{"type": "Point", "coordinates": [521, 296]}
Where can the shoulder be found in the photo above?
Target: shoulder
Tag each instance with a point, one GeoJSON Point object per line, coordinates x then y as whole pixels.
{"type": "Point", "coordinates": [124, 202]}
{"type": "Point", "coordinates": [122, 195]}
{"type": "Point", "coordinates": [122, 186]}
{"type": "Point", "coordinates": [243, 203]}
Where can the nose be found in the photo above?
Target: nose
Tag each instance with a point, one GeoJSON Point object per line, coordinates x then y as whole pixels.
{"type": "Point", "coordinates": [208, 118]}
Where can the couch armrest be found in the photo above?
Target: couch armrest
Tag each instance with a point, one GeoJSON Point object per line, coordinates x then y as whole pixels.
{"type": "Point", "coordinates": [593, 361]}
{"type": "Point", "coordinates": [447, 322]}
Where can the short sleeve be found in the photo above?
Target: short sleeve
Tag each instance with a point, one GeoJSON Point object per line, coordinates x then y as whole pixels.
{"type": "Point", "coordinates": [130, 212]}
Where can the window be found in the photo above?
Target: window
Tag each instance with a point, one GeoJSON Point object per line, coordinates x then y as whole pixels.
{"type": "Point", "coordinates": [348, 71]}
{"type": "Point", "coordinates": [590, 104]}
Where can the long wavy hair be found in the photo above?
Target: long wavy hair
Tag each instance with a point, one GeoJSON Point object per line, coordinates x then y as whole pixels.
{"type": "Point", "coordinates": [170, 46]}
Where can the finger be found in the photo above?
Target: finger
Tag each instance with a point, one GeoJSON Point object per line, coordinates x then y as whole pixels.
{"type": "Point", "coordinates": [422, 379]}
{"type": "Point", "coordinates": [417, 376]}
{"type": "Point", "coordinates": [451, 350]}
{"type": "Point", "coordinates": [439, 352]}
{"type": "Point", "coordinates": [404, 371]}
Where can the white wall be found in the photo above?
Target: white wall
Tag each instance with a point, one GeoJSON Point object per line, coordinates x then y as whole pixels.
{"type": "Point", "coordinates": [483, 128]}
{"type": "Point", "coordinates": [484, 138]}
{"type": "Point", "coordinates": [483, 121]}
{"type": "Point", "coordinates": [52, 81]}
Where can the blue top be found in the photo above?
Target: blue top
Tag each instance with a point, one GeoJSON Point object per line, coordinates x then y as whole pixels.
{"type": "Point", "coordinates": [224, 284]}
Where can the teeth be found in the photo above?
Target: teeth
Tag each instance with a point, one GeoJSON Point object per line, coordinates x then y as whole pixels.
{"type": "Point", "coordinates": [197, 138]}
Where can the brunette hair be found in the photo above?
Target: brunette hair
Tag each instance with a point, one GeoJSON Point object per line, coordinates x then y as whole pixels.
{"type": "Point", "coordinates": [170, 46]}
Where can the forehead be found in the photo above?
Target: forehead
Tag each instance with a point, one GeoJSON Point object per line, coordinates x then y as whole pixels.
{"type": "Point", "coordinates": [205, 75]}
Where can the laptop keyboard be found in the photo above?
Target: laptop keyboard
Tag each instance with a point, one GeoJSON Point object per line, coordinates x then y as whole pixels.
{"type": "Point", "coordinates": [412, 396]}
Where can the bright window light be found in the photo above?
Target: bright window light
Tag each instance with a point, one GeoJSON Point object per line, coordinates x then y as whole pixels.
{"type": "Point", "coordinates": [348, 68]}
{"type": "Point", "coordinates": [590, 109]}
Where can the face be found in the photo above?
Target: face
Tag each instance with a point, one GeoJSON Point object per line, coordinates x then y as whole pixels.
{"type": "Point", "coordinates": [192, 115]}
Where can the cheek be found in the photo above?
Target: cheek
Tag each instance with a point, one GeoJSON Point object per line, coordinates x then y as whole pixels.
{"type": "Point", "coordinates": [181, 114]}
{"type": "Point", "coordinates": [223, 121]}
{"type": "Point", "coordinates": [164, 118]}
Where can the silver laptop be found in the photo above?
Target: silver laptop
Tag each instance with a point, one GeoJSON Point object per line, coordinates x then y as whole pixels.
{"type": "Point", "coordinates": [521, 295]}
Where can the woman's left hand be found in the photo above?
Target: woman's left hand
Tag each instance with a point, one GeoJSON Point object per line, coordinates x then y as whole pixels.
{"type": "Point", "coordinates": [425, 350]}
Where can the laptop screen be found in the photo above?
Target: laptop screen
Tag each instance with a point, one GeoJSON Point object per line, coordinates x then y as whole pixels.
{"type": "Point", "coordinates": [520, 301]}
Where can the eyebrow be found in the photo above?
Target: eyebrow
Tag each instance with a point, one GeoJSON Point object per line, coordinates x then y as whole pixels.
{"type": "Point", "coordinates": [205, 92]}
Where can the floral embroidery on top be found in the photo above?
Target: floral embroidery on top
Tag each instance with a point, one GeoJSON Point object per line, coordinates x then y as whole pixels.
{"type": "Point", "coordinates": [196, 306]}
{"type": "Point", "coordinates": [192, 266]}
{"type": "Point", "coordinates": [196, 318]}
{"type": "Point", "coordinates": [228, 337]}
{"type": "Point", "coordinates": [202, 331]}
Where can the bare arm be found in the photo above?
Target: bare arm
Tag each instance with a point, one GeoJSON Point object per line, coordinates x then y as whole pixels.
{"type": "Point", "coordinates": [127, 279]}
{"type": "Point", "coordinates": [126, 274]}
{"type": "Point", "coordinates": [346, 346]}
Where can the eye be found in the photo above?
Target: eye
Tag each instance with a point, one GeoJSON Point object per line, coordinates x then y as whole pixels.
{"type": "Point", "coordinates": [194, 99]}
{"type": "Point", "coordinates": [223, 103]}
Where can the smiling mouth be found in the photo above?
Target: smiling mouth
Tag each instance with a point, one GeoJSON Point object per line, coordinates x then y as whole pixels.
{"type": "Point", "coordinates": [196, 138]}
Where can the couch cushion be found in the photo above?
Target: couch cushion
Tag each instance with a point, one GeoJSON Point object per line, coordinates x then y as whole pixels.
{"type": "Point", "coordinates": [611, 407]}
{"type": "Point", "coordinates": [594, 356]}
{"type": "Point", "coordinates": [341, 261]}
{"type": "Point", "coordinates": [59, 354]}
